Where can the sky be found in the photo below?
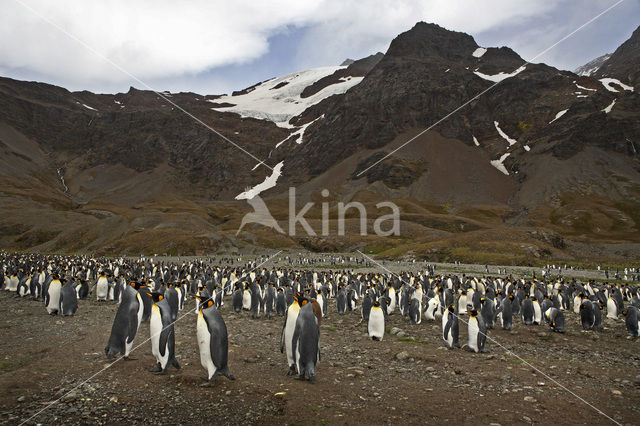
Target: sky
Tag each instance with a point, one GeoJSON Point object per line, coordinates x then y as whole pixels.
{"type": "Point", "coordinates": [217, 46]}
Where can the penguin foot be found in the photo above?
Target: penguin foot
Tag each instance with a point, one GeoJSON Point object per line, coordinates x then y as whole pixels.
{"type": "Point", "coordinates": [292, 371]}
{"type": "Point", "coordinates": [129, 358]}
{"type": "Point", "coordinates": [156, 369]}
{"type": "Point", "coordinates": [231, 377]}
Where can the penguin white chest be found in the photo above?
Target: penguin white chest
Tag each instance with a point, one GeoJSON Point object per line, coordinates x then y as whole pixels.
{"type": "Point", "coordinates": [204, 344]}
{"type": "Point", "coordinates": [54, 297]}
{"type": "Point", "coordinates": [246, 300]}
{"type": "Point", "coordinates": [155, 328]}
{"type": "Point", "coordinates": [612, 309]}
{"type": "Point", "coordinates": [474, 329]}
{"type": "Point", "coordinates": [102, 288]}
{"type": "Point", "coordinates": [292, 316]}
{"type": "Point", "coordinates": [376, 323]}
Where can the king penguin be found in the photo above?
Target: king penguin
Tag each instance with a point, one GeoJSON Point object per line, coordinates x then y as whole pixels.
{"type": "Point", "coordinates": [102, 287]}
{"type": "Point", "coordinates": [52, 297]}
{"type": "Point", "coordinates": [162, 334]}
{"type": "Point", "coordinates": [68, 299]}
{"type": "Point", "coordinates": [477, 332]}
{"type": "Point", "coordinates": [281, 303]}
{"type": "Point", "coordinates": [126, 323]}
{"type": "Point", "coordinates": [306, 342]}
{"type": "Point", "coordinates": [632, 320]}
{"type": "Point", "coordinates": [213, 341]}
{"type": "Point", "coordinates": [450, 327]}
{"type": "Point", "coordinates": [376, 322]}
{"type": "Point", "coordinates": [288, 329]}
{"type": "Point", "coordinates": [555, 317]}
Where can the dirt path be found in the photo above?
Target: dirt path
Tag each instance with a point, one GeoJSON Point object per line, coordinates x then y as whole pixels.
{"type": "Point", "coordinates": [410, 379]}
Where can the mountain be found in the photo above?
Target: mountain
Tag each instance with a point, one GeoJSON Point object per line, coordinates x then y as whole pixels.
{"type": "Point", "coordinates": [624, 63]}
{"type": "Point", "coordinates": [591, 67]}
{"type": "Point", "coordinates": [540, 166]}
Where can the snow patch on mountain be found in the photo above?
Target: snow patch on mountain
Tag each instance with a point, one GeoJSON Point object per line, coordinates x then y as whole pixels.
{"type": "Point", "coordinates": [610, 107]}
{"type": "Point", "coordinates": [269, 182]}
{"type": "Point", "coordinates": [558, 115]}
{"type": "Point", "coordinates": [278, 100]}
{"type": "Point", "coordinates": [584, 88]}
{"type": "Point", "coordinates": [299, 132]}
{"type": "Point", "coordinates": [606, 82]}
{"type": "Point", "coordinates": [479, 52]}
{"type": "Point", "coordinates": [499, 164]}
{"type": "Point", "coordinates": [88, 107]}
{"type": "Point", "coordinates": [504, 135]}
{"type": "Point", "coordinates": [496, 78]}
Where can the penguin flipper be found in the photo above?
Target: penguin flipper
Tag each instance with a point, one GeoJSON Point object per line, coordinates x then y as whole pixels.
{"type": "Point", "coordinates": [284, 326]}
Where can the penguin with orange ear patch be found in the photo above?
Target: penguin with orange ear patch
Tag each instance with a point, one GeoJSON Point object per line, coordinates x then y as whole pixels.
{"type": "Point", "coordinates": [162, 334]}
{"type": "Point", "coordinates": [306, 342]}
{"type": "Point", "coordinates": [213, 340]}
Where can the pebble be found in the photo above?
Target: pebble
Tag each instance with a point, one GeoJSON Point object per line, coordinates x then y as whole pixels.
{"type": "Point", "coordinates": [616, 392]}
{"type": "Point", "coordinates": [22, 398]}
{"type": "Point", "coordinates": [529, 399]}
{"type": "Point", "coordinates": [400, 356]}
{"type": "Point", "coordinates": [394, 331]}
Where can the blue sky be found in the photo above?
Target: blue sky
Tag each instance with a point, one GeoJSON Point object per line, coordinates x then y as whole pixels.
{"type": "Point", "coordinates": [214, 47]}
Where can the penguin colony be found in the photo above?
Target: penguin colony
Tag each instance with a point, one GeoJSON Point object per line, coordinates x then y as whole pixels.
{"type": "Point", "coordinates": [157, 292]}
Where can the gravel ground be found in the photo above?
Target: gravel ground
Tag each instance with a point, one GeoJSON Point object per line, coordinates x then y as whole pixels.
{"type": "Point", "coordinates": [409, 377]}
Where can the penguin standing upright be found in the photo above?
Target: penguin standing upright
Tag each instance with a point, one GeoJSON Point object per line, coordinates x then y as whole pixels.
{"type": "Point", "coordinates": [213, 341]}
{"type": "Point", "coordinates": [52, 297]}
{"type": "Point", "coordinates": [450, 327]}
{"type": "Point", "coordinates": [288, 330]}
{"type": "Point", "coordinates": [415, 311]}
{"type": "Point", "coordinates": [587, 315]}
{"type": "Point", "coordinates": [612, 308]}
{"type": "Point", "coordinates": [527, 311]}
{"type": "Point", "coordinates": [477, 332]}
{"type": "Point", "coordinates": [366, 307]}
{"type": "Point", "coordinates": [281, 303]}
{"type": "Point", "coordinates": [375, 326]}
{"type": "Point", "coordinates": [162, 334]}
{"type": "Point", "coordinates": [306, 342]}
{"type": "Point", "coordinates": [597, 315]}
{"type": "Point", "coordinates": [488, 311]}
{"type": "Point", "coordinates": [236, 300]}
{"type": "Point", "coordinates": [269, 300]}
{"type": "Point", "coordinates": [537, 312]}
{"type": "Point", "coordinates": [68, 299]}
{"type": "Point", "coordinates": [505, 313]}
{"type": "Point", "coordinates": [83, 289]}
{"type": "Point", "coordinates": [246, 298]}
{"type": "Point", "coordinates": [254, 308]}
{"type": "Point", "coordinates": [632, 320]}
{"type": "Point", "coordinates": [102, 287]}
{"type": "Point", "coordinates": [126, 323]}
{"type": "Point", "coordinates": [341, 301]}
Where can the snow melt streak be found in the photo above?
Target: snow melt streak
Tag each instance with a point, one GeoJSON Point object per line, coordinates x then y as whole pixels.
{"type": "Point", "coordinates": [504, 135]}
{"type": "Point", "coordinates": [269, 182]}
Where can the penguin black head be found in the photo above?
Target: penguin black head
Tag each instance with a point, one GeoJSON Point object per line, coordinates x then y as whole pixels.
{"type": "Point", "coordinates": [624, 312]}
{"type": "Point", "coordinates": [451, 309]}
{"type": "Point", "coordinates": [376, 304]}
{"type": "Point", "coordinates": [473, 313]}
{"type": "Point", "coordinates": [156, 296]}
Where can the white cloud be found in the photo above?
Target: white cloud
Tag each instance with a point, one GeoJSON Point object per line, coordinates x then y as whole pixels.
{"type": "Point", "coordinates": [164, 40]}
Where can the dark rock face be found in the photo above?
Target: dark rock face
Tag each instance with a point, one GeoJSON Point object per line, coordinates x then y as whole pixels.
{"type": "Point", "coordinates": [141, 131]}
{"type": "Point", "coordinates": [358, 68]}
{"type": "Point", "coordinates": [590, 68]}
{"type": "Point", "coordinates": [428, 72]}
{"type": "Point", "coordinates": [624, 63]}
